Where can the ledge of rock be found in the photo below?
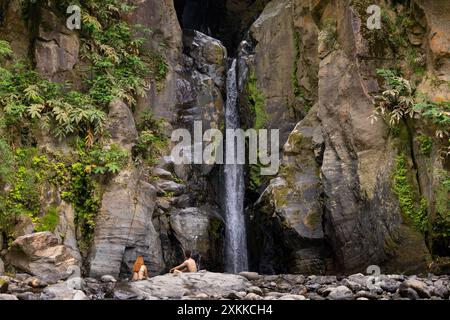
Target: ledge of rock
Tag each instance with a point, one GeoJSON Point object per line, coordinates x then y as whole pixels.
{"type": "Point", "coordinates": [177, 286]}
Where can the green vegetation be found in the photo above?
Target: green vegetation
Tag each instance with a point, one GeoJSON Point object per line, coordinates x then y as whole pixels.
{"type": "Point", "coordinates": [256, 180]}
{"type": "Point", "coordinates": [400, 101]}
{"type": "Point", "coordinates": [412, 207]}
{"type": "Point", "coordinates": [425, 144]}
{"type": "Point", "coordinates": [28, 100]}
{"type": "Point", "coordinates": [215, 229]}
{"type": "Point", "coordinates": [151, 141]}
{"type": "Point", "coordinates": [414, 61]}
{"type": "Point", "coordinates": [6, 164]}
{"type": "Point", "coordinates": [393, 33]}
{"type": "Point", "coordinates": [257, 102]}
{"type": "Point", "coordinates": [328, 33]}
{"type": "Point", "coordinates": [74, 175]}
{"type": "Point", "coordinates": [441, 221]}
{"type": "Point", "coordinates": [49, 221]}
{"type": "Point", "coordinates": [114, 64]}
{"type": "Point", "coordinates": [295, 84]}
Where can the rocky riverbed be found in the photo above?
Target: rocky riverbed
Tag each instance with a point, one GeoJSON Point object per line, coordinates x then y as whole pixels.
{"type": "Point", "coordinates": [217, 286]}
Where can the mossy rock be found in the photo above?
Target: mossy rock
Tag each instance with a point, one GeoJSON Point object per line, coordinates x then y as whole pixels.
{"type": "Point", "coordinates": [3, 285]}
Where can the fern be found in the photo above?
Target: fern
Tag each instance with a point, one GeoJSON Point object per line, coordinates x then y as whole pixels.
{"type": "Point", "coordinates": [5, 49]}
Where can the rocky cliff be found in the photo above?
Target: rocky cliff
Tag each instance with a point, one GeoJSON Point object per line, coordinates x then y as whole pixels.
{"type": "Point", "coordinates": [86, 117]}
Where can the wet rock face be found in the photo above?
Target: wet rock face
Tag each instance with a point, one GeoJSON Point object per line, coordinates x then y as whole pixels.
{"type": "Point", "coordinates": [202, 230]}
{"type": "Point", "coordinates": [292, 203]}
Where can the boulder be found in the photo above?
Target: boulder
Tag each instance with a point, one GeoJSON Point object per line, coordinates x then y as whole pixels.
{"type": "Point", "coordinates": [61, 291]}
{"type": "Point", "coordinates": [421, 288]}
{"type": "Point", "coordinates": [250, 275]}
{"type": "Point", "coordinates": [256, 290]}
{"type": "Point", "coordinates": [341, 293]}
{"type": "Point", "coordinates": [358, 161]}
{"type": "Point", "coordinates": [252, 296]}
{"type": "Point", "coordinates": [35, 282]}
{"type": "Point", "coordinates": [41, 255]}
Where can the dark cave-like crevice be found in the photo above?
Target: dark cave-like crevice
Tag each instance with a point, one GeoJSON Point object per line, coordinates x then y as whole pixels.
{"type": "Point", "coordinates": [226, 20]}
{"type": "Point", "coordinates": [205, 16]}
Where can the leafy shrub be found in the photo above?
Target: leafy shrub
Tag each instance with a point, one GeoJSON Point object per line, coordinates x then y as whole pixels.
{"type": "Point", "coordinates": [48, 222]}
{"type": "Point", "coordinates": [107, 160]}
{"type": "Point", "coordinates": [397, 101]}
{"type": "Point", "coordinates": [257, 102]}
{"type": "Point", "coordinates": [400, 101]}
{"type": "Point", "coordinates": [7, 162]}
{"type": "Point", "coordinates": [27, 100]}
{"type": "Point", "coordinates": [415, 209]}
{"type": "Point", "coordinates": [425, 144]}
{"type": "Point", "coordinates": [151, 141]}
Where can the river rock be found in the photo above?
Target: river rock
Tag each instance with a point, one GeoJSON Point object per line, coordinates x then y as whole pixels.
{"type": "Point", "coordinates": [409, 293]}
{"type": "Point", "coordinates": [255, 290]}
{"type": "Point", "coordinates": [61, 291]}
{"type": "Point", "coordinates": [341, 293]}
{"type": "Point", "coordinates": [292, 297]}
{"type": "Point", "coordinates": [252, 296]}
{"type": "Point", "coordinates": [390, 285]}
{"type": "Point", "coordinates": [421, 288]}
{"type": "Point", "coordinates": [250, 275]}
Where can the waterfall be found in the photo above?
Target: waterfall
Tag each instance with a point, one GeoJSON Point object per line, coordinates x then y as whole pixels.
{"type": "Point", "coordinates": [236, 259]}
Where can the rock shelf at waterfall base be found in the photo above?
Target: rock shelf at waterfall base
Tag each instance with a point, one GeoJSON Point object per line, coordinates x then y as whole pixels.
{"type": "Point", "coordinates": [218, 286]}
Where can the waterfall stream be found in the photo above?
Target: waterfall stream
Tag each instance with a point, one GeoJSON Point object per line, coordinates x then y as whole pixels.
{"type": "Point", "coordinates": [236, 259]}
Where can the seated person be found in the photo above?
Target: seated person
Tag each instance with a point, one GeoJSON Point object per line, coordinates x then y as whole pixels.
{"type": "Point", "coordinates": [140, 271]}
{"type": "Point", "coordinates": [188, 265]}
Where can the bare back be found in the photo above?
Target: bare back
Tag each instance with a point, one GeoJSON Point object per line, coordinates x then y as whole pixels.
{"type": "Point", "coordinates": [191, 266]}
